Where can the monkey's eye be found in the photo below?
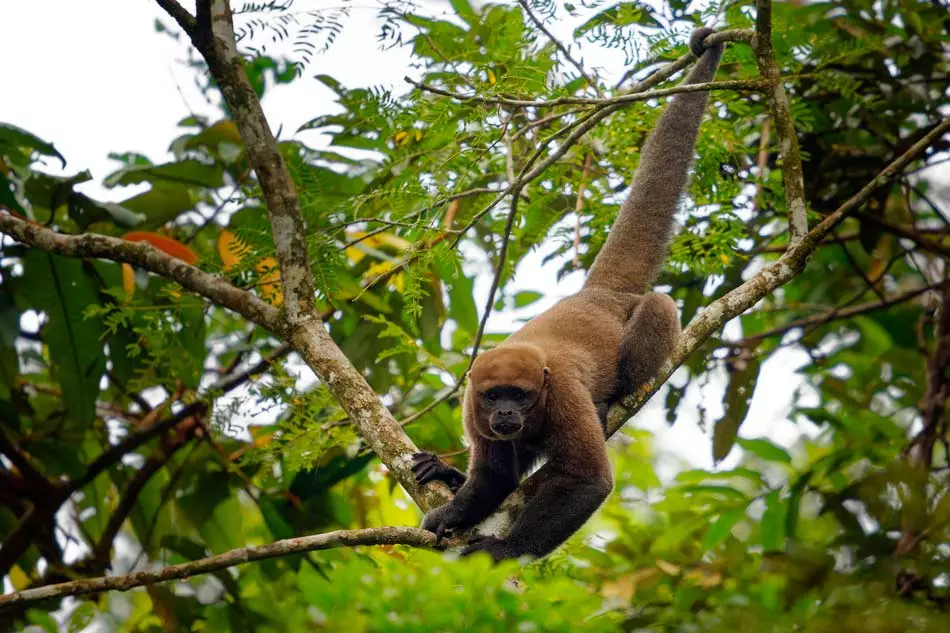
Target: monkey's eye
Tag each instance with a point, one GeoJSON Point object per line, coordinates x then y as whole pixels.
{"type": "Point", "coordinates": [520, 395]}
{"type": "Point", "coordinates": [491, 396]}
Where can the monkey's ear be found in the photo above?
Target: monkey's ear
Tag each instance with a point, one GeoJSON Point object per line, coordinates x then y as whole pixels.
{"type": "Point", "coordinates": [547, 372]}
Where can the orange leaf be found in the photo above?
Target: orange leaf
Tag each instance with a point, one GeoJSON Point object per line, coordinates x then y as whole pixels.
{"type": "Point", "coordinates": [269, 284]}
{"type": "Point", "coordinates": [163, 243]}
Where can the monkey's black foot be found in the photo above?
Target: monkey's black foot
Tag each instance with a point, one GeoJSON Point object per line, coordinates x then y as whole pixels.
{"type": "Point", "coordinates": [495, 547]}
{"type": "Point", "coordinates": [428, 467]}
{"type": "Point", "coordinates": [696, 40]}
{"type": "Point", "coordinates": [445, 520]}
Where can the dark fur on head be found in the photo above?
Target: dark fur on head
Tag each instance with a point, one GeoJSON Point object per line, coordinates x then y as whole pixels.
{"type": "Point", "coordinates": [544, 391]}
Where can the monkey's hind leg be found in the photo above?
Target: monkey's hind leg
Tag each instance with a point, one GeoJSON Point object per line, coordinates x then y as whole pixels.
{"type": "Point", "coordinates": [648, 340]}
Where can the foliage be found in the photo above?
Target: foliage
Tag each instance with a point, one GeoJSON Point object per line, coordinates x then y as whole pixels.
{"type": "Point", "coordinates": [838, 530]}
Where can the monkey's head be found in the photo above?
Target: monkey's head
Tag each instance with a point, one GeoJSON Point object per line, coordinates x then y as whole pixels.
{"type": "Point", "coordinates": [508, 385]}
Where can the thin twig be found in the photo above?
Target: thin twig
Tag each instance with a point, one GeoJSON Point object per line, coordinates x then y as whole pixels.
{"type": "Point", "coordinates": [732, 84]}
{"type": "Point", "coordinates": [567, 55]}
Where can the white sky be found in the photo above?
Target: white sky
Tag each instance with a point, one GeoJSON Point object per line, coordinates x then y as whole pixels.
{"type": "Point", "coordinates": [94, 77]}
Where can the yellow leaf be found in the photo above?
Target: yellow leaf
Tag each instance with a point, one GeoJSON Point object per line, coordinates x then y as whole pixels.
{"type": "Point", "coordinates": [400, 137]}
{"type": "Point", "coordinates": [491, 77]}
{"type": "Point", "coordinates": [667, 568]}
{"type": "Point", "coordinates": [704, 579]}
{"type": "Point", "coordinates": [620, 590]}
{"type": "Point", "coordinates": [19, 578]}
{"type": "Point", "coordinates": [380, 269]}
{"type": "Point", "coordinates": [418, 135]}
{"type": "Point", "coordinates": [128, 280]}
{"type": "Point", "coordinates": [231, 249]}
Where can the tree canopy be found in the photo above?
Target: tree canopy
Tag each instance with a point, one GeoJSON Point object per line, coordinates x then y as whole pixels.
{"type": "Point", "coordinates": [816, 222]}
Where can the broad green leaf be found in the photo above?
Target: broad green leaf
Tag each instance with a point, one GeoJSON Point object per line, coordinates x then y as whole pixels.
{"type": "Point", "coordinates": [81, 617]}
{"type": "Point", "coordinates": [61, 288]}
{"type": "Point", "coordinates": [161, 204]}
{"type": "Point", "coordinates": [765, 449]}
{"type": "Point", "coordinates": [794, 501]}
{"type": "Point", "coordinates": [12, 136]}
{"type": "Point", "coordinates": [7, 196]}
{"type": "Point", "coordinates": [191, 173]}
{"type": "Point", "coordinates": [721, 491]}
{"type": "Point", "coordinates": [736, 402]}
{"type": "Point", "coordinates": [719, 530]}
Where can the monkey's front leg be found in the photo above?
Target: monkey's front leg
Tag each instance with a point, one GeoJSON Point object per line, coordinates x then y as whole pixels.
{"type": "Point", "coordinates": [575, 481]}
{"type": "Point", "coordinates": [648, 340]}
{"type": "Point", "coordinates": [492, 477]}
{"type": "Point", "coordinates": [558, 509]}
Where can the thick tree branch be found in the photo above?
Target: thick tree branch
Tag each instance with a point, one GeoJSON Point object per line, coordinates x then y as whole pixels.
{"type": "Point", "coordinates": [214, 39]}
{"type": "Point", "coordinates": [784, 127]}
{"type": "Point", "coordinates": [240, 556]}
{"type": "Point", "coordinates": [300, 325]}
{"type": "Point", "coordinates": [143, 255]}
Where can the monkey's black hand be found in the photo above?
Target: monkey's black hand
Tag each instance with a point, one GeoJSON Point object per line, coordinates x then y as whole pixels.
{"type": "Point", "coordinates": [696, 43]}
{"type": "Point", "coordinates": [445, 520]}
{"type": "Point", "coordinates": [428, 467]}
{"type": "Point", "coordinates": [497, 548]}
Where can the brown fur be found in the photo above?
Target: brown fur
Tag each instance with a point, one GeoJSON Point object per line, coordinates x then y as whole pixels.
{"type": "Point", "coordinates": [544, 391]}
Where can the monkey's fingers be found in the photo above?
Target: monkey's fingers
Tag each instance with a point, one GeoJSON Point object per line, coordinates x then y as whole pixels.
{"type": "Point", "coordinates": [426, 473]}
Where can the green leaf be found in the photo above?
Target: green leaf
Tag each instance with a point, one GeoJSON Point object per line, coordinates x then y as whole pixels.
{"type": "Point", "coordinates": [765, 449]}
{"type": "Point", "coordinates": [189, 172]}
{"type": "Point", "coordinates": [794, 503]}
{"type": "Point", "coordinates": [773, 522]}
{"type": "Point", "coordinates": [85, 211]}
{"type": "Point", "coordinates": [81, 617]}
{"type": "Point", "coordinates": [736, 402]}
{"type": "Point", "coordinates": [720, 491]}
{"type": "Point", "coordinates": [60, 287]}
{"type": "Point", "coordinates": [161, 204]}
{"type": "Point", "coordinates": [720, 529]}
{"type": "Point", "coordinates": [12, 136]}
{"type": "Point", "coordinates": [526, 298]}
{"type": "Point", "coordinates": [7, 196]}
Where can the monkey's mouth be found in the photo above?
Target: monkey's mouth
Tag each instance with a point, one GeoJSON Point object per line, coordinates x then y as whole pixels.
{"type": "Point", "coordinates": [505, 430]}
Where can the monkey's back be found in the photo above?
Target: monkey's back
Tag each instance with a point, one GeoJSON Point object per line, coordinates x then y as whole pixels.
{"type": "Point", "coordinates": [581, 336]}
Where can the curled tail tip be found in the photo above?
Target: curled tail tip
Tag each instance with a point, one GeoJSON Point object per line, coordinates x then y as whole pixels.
{"type": "Point", "coordinates": [697, 43]}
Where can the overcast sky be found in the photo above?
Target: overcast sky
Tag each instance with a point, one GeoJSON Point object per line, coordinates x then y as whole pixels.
{"type": "Point", "coordinates": [94, 77]}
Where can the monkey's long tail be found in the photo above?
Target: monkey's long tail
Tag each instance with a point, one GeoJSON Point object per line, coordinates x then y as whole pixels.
{"type": "Point", "coordinates": [631, 258]}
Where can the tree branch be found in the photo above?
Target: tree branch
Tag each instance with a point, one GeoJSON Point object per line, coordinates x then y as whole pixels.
{"type": "Point", "coordinates": [214, 39]}
{"type": "Point", "coordinates": [784, 127]}
{"type": "Point", "coordinates": [630, 97]}
{"type": "Point", "coordinates": [838, 314]}
{"type": "Point", "coordinates": [184, 19]}
{"type": "Point", "coordinates": [143, 255]}
{"type": "Point", "coordinates": [240, 556]}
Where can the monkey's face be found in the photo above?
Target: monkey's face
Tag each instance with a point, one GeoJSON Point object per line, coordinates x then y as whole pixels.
{"type": "Point", "coordinates": [507, 410]}
{"type": "Point", "coordinates": [508, 388]}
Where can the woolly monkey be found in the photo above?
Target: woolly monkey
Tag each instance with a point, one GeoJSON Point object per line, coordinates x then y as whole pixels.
{"type": "Point", "coordinates": [544, 391]}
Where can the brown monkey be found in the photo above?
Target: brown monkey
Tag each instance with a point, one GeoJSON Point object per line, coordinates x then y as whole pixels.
{"type": "Point", "coordinates": [544, 391]}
